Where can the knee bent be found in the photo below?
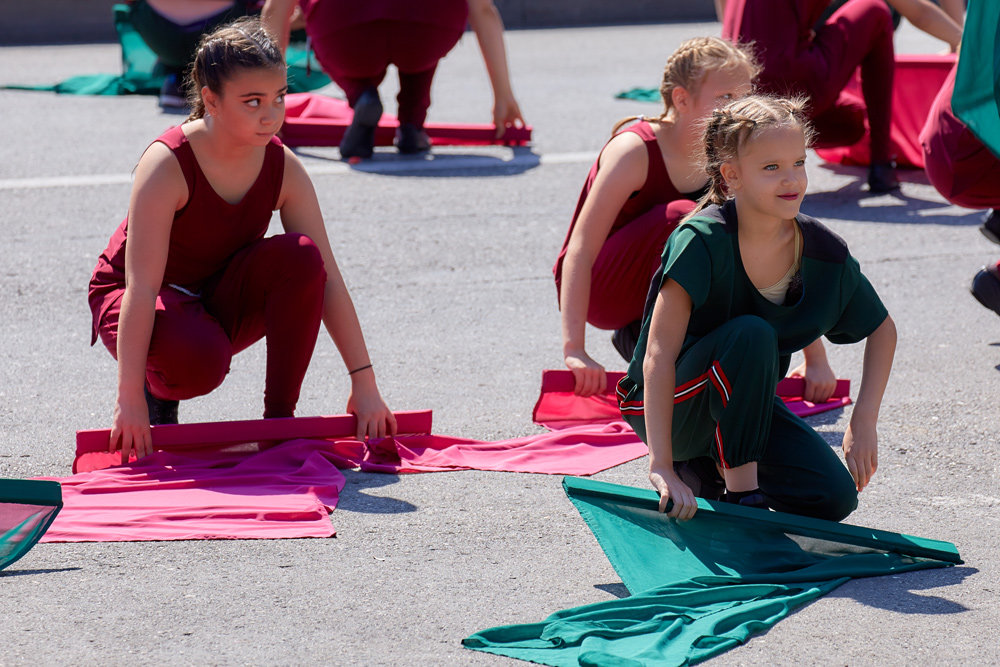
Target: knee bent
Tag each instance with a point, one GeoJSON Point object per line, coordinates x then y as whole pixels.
{"type": "Point", "coordinates": [189, 368]}
{"type": "Point", "coordinates": [299, 257]}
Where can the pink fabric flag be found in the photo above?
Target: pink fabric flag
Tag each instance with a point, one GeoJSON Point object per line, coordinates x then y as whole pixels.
{"type": "Point", "coordinates": [317, 120]}
{"type": "Point", "coordinates": [917, 80]}
{"type": "Point", "coordinates": [286, 491]}
{"type": "Point", "coordinates": [558, 407]}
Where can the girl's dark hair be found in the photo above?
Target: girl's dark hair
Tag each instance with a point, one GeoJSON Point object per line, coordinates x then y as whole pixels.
{"type": "Point", "coordinates": [687, 66]}
{"type": "Point", "coordinates": [736, 124]}
{"type": "Point", "coordinates": [242, 44]}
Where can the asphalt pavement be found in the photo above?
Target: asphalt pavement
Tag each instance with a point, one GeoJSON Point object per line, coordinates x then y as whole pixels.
{"type": "Point", "coordinates": [448, 259]}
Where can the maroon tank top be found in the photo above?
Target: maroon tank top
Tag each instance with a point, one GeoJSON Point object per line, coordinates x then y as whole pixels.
{"type": "Point", "coordinates": [658, 189]}
{"type": "Point", "coordinates": [205, 233]}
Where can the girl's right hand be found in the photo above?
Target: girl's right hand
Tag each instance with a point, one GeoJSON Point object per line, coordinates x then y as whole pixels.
{"type": "Point", "coordinates": [130, 427]}
{"type": "Point", "coordinates": [589, 375]}
{"type": "Point", "coordinates": [671, 488]}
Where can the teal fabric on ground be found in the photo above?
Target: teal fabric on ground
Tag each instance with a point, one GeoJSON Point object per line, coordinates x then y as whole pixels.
{"type": "Point", "coordinates": [27, 508]}
{"type": "Point", "coordinates": [140, 75]}
{"type": "Point", "coordinates": [640, 94]}
{"type": "Point", "coordinates": [703, 586]}
{"type": "Point", "coordinates": [976, 98]}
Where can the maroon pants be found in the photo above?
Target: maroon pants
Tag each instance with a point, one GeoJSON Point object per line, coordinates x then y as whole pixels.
{"type": "Point", "coordinates": [958, 165]}
{"type": "Point", "coordinates": [357, 57]}
{"type": "Point", "coordinates": [857, 34]}
{"type": "Point", "coordinates": [620, 278]}
{"type": "Point", "coordinates": [271, 289]}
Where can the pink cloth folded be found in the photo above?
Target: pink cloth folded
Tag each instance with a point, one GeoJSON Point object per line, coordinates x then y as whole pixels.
{"type": "Point", "coordinates": [916, 83]}
{"type": "Point", "coordinates": [317, 120]}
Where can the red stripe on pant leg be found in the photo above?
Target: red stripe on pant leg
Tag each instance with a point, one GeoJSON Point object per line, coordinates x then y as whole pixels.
{"type": "Point", "coordinates": [725, 380]}
{"type": "Point", "coordinates": [718, 446]}
{"type": "Point", "coordinates": [690, 383]}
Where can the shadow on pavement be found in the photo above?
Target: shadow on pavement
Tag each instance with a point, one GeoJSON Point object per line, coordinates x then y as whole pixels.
{"type": "Point", "coordinates": [897, 592]}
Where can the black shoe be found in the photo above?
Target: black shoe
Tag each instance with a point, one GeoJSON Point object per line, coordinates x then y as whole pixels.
{"type": "Point", "coordinates": [171, 95]}
{"type": "Point", "coordinates": [986, 289]}
{"type": "Point", "coordinates": [359, 137]}
{"type": "Point", "coordinates": [702, 477]}
{"type": "Point", "coordinates": [161, 411]}
{"type": "Point", "coordinates": [746, 498]}
{"type": "Point", "coordinates": [411, 139]}
{"type": "Point", "coordinates": [991, 225]}
{"type": "Point", "coordinates": [626, 338]}
{"type": "Point", "coordinates": [882, 178]}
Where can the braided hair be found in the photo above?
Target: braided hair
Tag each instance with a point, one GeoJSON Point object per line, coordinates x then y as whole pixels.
{"type": "Point", "coordinates": [242, 44]}
{"type": "Point", "coordinates": [687, 66]}
{"type": "Point", "coordinates": [732, 127]}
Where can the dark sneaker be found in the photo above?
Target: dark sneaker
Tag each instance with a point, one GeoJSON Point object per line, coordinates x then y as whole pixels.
{"type": "Point", "coordinates": [746, 498]}
{"type": "Point", "coordinates": [626, 338]}
{"type": "Point", "coordinates": [991, 226]}
{"type": "Point", "coordinates": [359, 137]}
{"type": "Point", "coordinates": [161, 411]}
{"type": "Point", "coordinates": [411, 139]}
{"type": "Point", "coordinates": [171, 95]}
{"type": "Point", "coordinates": [702, 477]}
{"type": "Point", "coordinates": [882, 178]}
{"type": "Point", "coordinates": [986, 289]}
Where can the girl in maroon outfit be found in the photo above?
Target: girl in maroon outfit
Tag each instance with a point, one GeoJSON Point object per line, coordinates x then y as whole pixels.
{"type": "Point", "coordinates": [645, 181]}
{"type": "Point", "coordinates": [188, 278]}
{"type": "Point", "coordinates": [356, 40]}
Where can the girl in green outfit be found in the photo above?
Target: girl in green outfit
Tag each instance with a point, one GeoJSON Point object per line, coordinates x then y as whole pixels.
{"type": "Point", "coordinates": [744, 282]}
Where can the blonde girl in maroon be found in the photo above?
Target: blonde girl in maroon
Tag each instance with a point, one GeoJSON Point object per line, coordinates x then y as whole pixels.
{"type": "Point", "coordinates": [645, 180]}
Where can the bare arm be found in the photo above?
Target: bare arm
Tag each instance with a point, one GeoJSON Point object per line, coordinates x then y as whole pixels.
{"type": "Point", "coordinates": [277, 18]}
{"type": "Point", "coordinates": [668, 326]}
{"type": "Point", "coordinates": [159, 191]}
{"type": "Point", "coordinates": [861, 439]}
{"type": "Point", "coordinates": [486, 23]}
{"type": "Point", "coordinates": [300, 213]}
{"type": "Point", "coordinates": [931, 19]}
{"type": "Point", "coordinates": [622, 171]}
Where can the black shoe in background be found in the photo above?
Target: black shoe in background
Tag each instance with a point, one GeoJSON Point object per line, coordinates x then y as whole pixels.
{"type": "Point", "coordinates": [411, 139]}
{"type": "Point", "coordinates": [986, 288]}
{"type": "Point", "coordinates": [991, 226]}
{"type": "Point", "coordinates": [359, 137]}
{"type": "Point", "coordinates": [882, 178]}
{"type": "Point", "coordinates": [626, 338]}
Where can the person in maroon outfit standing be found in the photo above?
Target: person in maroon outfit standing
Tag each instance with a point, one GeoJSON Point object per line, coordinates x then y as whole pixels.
{"type": "Point", "coordinates": [966, 173]}
{"type": "Point", "coordinates": [646, 179]}
{"type": "Point", "coordinates": [355, 42]}
{"type": "Point", "coordinates": [188, 278]}
{"type": "Point", "coordinates": [801, 58]}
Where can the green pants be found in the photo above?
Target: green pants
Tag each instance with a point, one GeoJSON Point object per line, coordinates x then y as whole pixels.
{"type": "Point", "coordinates": [725, 407]}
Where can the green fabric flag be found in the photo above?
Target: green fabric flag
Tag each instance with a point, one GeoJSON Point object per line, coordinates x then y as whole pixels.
{"type": "Point", "coordinates": [640, 94]}
{"type": "Point", "coordinates": [976, 98]}
{"type": "Point", "coordinates": [140, 76]}
{"type": "Point", "coordinates": [704, 586]}
{"type": "Point", "coordinates": [27, 508]}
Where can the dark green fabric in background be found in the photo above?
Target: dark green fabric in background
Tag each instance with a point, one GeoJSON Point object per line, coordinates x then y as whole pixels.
{"type": "Point", "coordinates": [140, 76]}
{"type": "Point", "coordinates": [976, 98]}
{"type": "Point", "coordinates": [27, 508]}
{"type": "Point", "coordinates": [703, 586]}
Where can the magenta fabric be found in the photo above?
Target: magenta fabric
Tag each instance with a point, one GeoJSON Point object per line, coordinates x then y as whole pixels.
{"type": "Point", "coordinates": [558, 407]}
{"type": "Point", "coordinates": [286, 491]}
{"type": "Point", "coordinates": [918, 79]}
{"type": "Point", "coordinates": [318, 120]}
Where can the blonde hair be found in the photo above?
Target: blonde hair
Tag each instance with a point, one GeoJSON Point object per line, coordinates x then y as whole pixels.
{"type": "Point", "coordinates": [691, 62]}
{"type": "Point", "coordinates": [735, 125]}
{"type": "Point", "coordinates": [242, 44]}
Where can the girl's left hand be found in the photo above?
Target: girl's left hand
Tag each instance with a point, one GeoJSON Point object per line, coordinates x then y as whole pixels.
{"type": "Point", "coordinates": [375, 419]}
{"type": "Point", "coordinates": [861, 452]}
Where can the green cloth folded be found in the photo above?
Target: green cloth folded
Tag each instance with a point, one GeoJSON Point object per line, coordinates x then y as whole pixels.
{"type": "Point", "coordinates": [703, 586]}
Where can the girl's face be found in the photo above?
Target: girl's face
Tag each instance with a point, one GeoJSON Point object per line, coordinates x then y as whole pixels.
{"type": "Point", "coordinates": [768, 178]}
{"type": "Point", "coordinates": [718, 88]}
{"type": "Point", "coordinates": [251, 105]}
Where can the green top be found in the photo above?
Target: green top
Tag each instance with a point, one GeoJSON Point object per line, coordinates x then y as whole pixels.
{"type": "Point", "coordinates": [703, 257]}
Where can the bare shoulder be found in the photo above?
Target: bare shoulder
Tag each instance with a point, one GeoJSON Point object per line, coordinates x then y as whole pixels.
{"type": "Point", "coordinates": [159, 175]}
{"type": "Point", "coordinates": [295, 183]}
